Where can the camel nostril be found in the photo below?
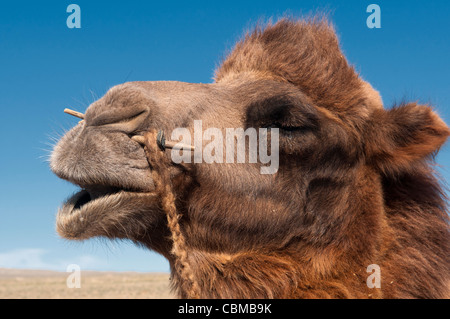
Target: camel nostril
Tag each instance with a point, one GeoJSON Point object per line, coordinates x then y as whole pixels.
{"type": "Point", "coordinates": [127, 123]}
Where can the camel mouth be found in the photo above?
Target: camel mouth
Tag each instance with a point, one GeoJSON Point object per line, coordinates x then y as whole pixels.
{"type": "Point", "coordinates": [82, 215]}
{"type": "Point", "coordinates": [93, 196]}
{"type": "Point", "coordinates": [89, 195]}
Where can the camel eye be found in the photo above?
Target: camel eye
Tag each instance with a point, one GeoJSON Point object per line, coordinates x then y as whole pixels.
{"type": "Point", "coordinates": [290, 116]}
{"type": "Point", "coordinates": [283, 126]}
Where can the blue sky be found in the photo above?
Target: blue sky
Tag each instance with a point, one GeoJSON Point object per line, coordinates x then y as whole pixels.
{"type": "Point", "coordinates": [45, 67]}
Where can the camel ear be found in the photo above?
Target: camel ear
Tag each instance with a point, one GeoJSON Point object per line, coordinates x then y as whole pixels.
{"type": "Point", "coordinates": [402, 135]}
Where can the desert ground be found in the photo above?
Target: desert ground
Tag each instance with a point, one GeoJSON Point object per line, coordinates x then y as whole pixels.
{"type": "Point", "coordinates": [43, 284]}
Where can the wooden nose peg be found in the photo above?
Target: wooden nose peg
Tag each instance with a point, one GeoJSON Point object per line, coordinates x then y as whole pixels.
{"type": "Point", "coordinates": [162, 142]}
{"type": "Point", "coordinates": [74, 113]}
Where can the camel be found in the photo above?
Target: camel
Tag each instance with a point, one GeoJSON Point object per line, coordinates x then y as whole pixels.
{"type": "Point", "coordinates": [355, 185]}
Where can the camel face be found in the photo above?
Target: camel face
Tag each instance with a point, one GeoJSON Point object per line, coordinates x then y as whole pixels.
{"type": "Point", "coordinates": [352, 188]}
{"type": "Point", "coordinates": [113, 173]}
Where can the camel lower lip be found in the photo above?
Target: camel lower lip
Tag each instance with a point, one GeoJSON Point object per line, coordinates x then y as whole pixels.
{"type": "Point", "coordinates": [84, 214]}
{"type": "Point", "coordinates": [83, 211]}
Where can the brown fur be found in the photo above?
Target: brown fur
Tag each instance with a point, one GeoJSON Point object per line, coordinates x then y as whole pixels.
{"type": "Point", "coordinates": [355, 185]}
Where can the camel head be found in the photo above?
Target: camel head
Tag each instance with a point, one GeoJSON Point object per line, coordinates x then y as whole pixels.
{"type": "Point", "coordinates": [323, 213]}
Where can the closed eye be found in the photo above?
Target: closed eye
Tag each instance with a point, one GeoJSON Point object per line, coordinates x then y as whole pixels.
{"type": "Point", "coordinates": [288, 128]}
{"type": "Point", "coordinates": [289, 114]}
